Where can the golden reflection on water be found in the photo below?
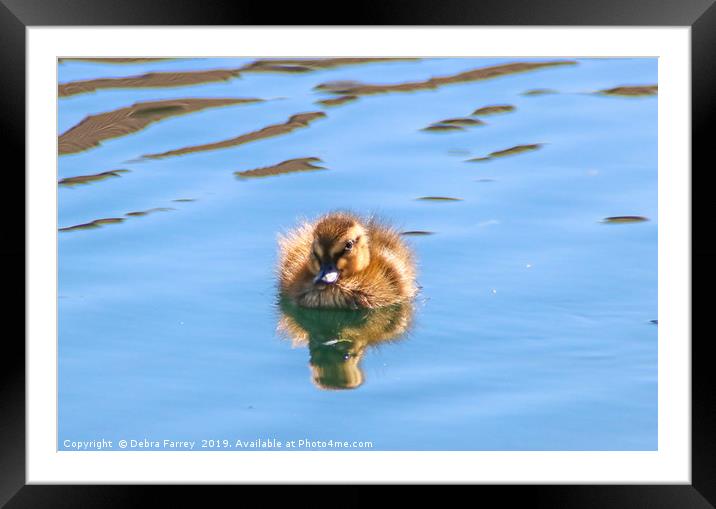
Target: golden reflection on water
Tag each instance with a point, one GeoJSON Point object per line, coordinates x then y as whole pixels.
{"type": "Point", "coordinates": [337, 339]}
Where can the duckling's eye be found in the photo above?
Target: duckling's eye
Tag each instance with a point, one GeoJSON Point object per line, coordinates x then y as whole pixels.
{"type": "Point", "coordinates": [349, 245]}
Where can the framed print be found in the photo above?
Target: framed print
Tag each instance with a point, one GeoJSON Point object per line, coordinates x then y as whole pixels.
{"type": "Point", "coordinates": [387, 253]}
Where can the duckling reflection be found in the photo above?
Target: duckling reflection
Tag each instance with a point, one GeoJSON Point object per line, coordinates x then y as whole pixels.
{"type": "Point", "coordinates": [337, 339]}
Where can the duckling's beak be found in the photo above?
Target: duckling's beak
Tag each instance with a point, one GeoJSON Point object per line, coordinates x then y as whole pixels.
{"type": "Point", "coordinates": [327, 275]}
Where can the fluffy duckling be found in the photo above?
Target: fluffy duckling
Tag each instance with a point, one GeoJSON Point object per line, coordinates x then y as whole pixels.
{"type": "Point", "coordinates": [342, 260]}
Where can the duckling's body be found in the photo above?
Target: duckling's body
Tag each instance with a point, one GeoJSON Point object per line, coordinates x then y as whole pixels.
{"type": "Point", "coordinates": [344, 261]}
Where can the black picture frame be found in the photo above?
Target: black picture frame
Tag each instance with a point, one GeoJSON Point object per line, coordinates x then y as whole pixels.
{"type": "Point", "coordinates": [17, 15]}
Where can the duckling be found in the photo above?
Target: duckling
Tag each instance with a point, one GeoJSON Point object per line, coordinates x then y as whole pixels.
{"type": "Point", "coordinates": [342, 260]}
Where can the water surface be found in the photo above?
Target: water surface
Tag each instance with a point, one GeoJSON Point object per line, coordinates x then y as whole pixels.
{"type": "Point", "coordinates": [533, 327]}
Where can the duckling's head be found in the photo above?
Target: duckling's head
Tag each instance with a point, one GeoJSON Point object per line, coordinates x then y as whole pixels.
{"type": "Point", "coordinates": [339, 249]}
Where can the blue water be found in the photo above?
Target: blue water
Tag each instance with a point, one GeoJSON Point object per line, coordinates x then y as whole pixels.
{"type": "Point", "coordinates": [533, 327]}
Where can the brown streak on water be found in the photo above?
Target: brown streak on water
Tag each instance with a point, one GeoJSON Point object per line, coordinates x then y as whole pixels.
{"type": "Point", "coordinates": [492, 110]}
{"type": "Point", "coordinates": [298, 121]}
{"type": "Point", "coordinates": [482, 73]}
{"type": "Point", "coordinates": [338, 100]}
{"type": "Point", "coordinates": [186, 78]}
{"type": "Point", "coordinates": [88, 179]}
{"type": "Point", "coordinates": [289, 166]}
{"type": "Point", "coordinates": [92, 224]}
{"type": "Point", "coordinates": [632, 91]}
{"type": "Point", "coordinates": [112, 124]}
